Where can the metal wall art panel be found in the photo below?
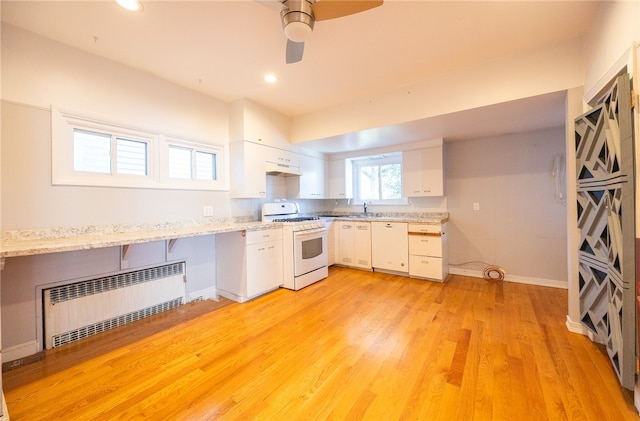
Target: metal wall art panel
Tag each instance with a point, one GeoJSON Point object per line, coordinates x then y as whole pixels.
{"type": "Point", "coordinates": [606, 219]}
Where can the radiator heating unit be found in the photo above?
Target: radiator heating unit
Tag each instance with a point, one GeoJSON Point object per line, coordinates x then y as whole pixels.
{"type": "Point", "coordinates": [78, 310]}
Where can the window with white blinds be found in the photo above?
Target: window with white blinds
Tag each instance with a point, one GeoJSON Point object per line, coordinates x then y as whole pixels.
{"type": "Point", "coordinates": [179, 163]}
{"type": "Point", "coordinates": [109, 154]}
{"type": "Point", "coordinates": [89, 152]}
{"type": "Point", "coordinates": [192, 161]}
{"type": "Point", "coordinates": [205, 165]}
{"type": "Point", "coordinates": [131, 157]}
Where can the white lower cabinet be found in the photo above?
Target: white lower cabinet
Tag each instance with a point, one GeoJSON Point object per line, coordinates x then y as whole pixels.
{"type": "Point", "coordinates": [389, 246]}
{"type": "Point", "coordinates": [354, 244]}
{"type": "Point", "coordinates": [248, 263]}
{"type": "Point", "coordinates": [428, 257]}
{"type": "Point", "coordinates": [331, 242]}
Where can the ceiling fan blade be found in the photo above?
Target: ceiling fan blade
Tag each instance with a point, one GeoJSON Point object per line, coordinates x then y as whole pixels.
{"type": "Point", "coordinates": [294, 51]}
{"type": "Point", "coordinates": [331, 9]}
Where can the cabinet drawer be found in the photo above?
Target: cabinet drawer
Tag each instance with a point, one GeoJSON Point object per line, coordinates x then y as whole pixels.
{"type": "Point", "coordinates": [425, 245]}
{"type": "Point", "coordinates": [425, 229]}
{"type": "Point", "coordinates": [425, 267]}
{"type": "Point", "coordinates": [261, 236]}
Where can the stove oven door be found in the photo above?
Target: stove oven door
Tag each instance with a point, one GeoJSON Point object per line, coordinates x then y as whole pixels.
{"type": "Point", "coordinates": [310, 250]}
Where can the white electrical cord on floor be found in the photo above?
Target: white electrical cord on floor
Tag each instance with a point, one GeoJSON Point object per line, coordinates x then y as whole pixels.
{"type": "Point", "coordinates": [493, 273]}
{"type": "Point", "coordinates": [489, 273]}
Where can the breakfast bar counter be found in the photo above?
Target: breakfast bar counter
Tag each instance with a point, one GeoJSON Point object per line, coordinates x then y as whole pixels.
{"type": "Point", "coordinates": [17, 243]}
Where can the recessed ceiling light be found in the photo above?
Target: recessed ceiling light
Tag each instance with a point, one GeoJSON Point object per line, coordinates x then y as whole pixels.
{"type": "Point", "coordinates": [270, 78]}
{"type": "Point", "coordinates": [130, 4]}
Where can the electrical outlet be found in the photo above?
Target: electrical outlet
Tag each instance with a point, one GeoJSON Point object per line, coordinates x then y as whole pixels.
{"type": "Point", "coordinates": [476, 206]}
{"type": "Point", "coordinates": [207, 211]}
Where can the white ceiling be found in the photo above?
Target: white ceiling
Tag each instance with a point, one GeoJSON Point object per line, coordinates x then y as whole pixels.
{"type": "Point", "coordinates": [224, 48]}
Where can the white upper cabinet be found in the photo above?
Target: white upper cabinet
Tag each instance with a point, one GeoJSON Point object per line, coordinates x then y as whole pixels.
{"type": "Point", "coordinates": [340, 179]}
{"type": "Point", "coordinates": [422, 172]}
{"type": "Point", "coordinates": [248, 178]}
{"type": "Point", "coordinates": [281, 160]}
{"type": "Point", "coordinates": [255, 123]}
{"type": "Point", "coordinates": [312, 178]}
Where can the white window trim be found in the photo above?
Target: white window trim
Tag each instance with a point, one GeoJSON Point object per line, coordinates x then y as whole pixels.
{"type": "Point", "coordinates": [62, 169]}
{"type": "Point", "coordinates": [192, 184]}
{"type": "Point", "coordinates": [63, 173]}
{"type": "Point", "coordinates": [368, 159]}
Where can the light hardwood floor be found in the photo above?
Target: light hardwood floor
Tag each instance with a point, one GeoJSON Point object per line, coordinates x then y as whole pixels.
{"type": "Point", "coordinates": [357, 345]}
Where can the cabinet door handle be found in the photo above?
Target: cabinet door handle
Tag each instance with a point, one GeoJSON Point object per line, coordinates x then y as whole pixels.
{"type": "Point", "coordinates": [427, 234]}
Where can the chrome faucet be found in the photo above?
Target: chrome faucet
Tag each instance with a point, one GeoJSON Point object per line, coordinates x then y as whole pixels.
{"type": "Point", "coordinates": [366, 206]}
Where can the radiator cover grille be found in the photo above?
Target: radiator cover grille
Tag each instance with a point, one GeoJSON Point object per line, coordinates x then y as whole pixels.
{"type": "Point", "coordinates": [104, 325]}
{"type": "Point", "coordinates": [108, 283]}
{"type": "Point", "coordinates": [78, 310]}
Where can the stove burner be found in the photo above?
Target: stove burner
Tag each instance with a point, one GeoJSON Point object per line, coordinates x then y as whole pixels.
{"type": "Point", "coordinates": [297, 219]}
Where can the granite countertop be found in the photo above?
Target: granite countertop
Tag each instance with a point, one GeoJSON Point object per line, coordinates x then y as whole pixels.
{"type": "Point", "coordinates": [53, 240]}
{"type": "Point", "coordinates": [431, 218]}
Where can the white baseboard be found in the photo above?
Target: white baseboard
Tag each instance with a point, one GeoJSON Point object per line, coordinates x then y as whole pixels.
{"type": "Point", "coordinates": [203, 294]}
{"type": "Point", "coordinates": [231, 296]}
{"type": "Point", "coordinates": [22, 350]}
{"type": "Point", "coordinates": [576, 327]}
{"type": "Point", "coordinates": [513, 278]}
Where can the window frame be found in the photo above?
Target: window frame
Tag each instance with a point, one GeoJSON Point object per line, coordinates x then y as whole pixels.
{"type": "Point", "coordinates": [195, 147]}
{"type": "Point", "coordinates": [378, 160]}
{"type": "Point", "coordinates": [63, 172]}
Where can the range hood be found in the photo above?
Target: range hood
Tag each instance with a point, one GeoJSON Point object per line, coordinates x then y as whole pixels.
{"type": "Point", "coordinates": [285, 170]}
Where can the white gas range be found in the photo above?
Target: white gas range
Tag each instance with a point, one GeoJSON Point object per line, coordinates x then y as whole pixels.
{"type": "Point", "coordinates": [304, 244]}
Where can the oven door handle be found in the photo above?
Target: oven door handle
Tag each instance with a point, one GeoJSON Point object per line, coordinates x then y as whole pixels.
{"type": "Point", "coordinates": [305, 233]}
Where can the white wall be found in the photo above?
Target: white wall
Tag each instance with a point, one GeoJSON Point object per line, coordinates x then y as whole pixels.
{"type": "Point", "coordinates": [521, 225]}
{"type": "Point", "coordinates": [38, 73]}
{"type": "Point", "coordinates": [551, 69]}
{"type": "Point", "coordinates": [609, 41]}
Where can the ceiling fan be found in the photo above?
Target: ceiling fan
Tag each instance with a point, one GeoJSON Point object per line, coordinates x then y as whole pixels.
{"type": "Point", "coordinates": [299, 16]}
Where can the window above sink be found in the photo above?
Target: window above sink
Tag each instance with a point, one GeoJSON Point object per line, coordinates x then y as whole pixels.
{"type": "Point", "coordinates": [377, 179]}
